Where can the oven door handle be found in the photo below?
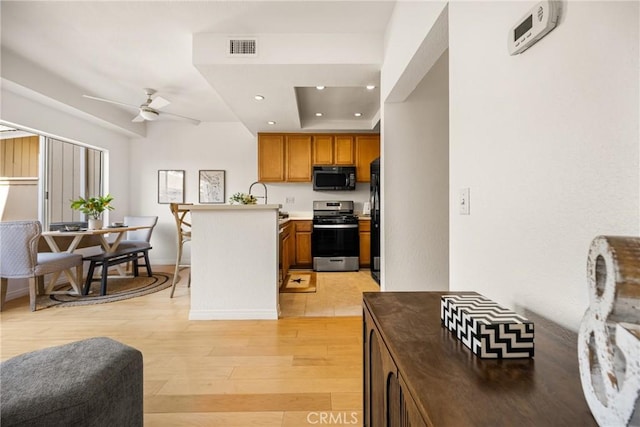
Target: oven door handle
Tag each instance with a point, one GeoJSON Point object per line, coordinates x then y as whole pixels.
{"type": "Point", "coordinates": [336, 226]}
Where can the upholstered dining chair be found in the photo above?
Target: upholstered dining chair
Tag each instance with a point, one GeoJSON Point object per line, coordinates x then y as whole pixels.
{"type": "Point", "coordinates": [183, 227]}
{"type": "Point", "coordinates": [19, 259]}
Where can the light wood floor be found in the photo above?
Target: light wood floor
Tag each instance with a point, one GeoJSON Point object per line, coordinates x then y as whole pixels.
{"type": "Point", "coordinates": [337, 294]}
{"type": "Point", "coordinates": [291, 372]}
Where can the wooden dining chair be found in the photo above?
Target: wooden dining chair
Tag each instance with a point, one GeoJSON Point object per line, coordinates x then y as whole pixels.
{"type": "Point", "coordinates": [139, 238]}
{"type": "Point", "coordinates": [183, 227]}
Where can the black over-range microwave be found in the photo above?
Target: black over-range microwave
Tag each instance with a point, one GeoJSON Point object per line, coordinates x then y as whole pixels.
{"type": "Point", "coordinates": [332, 178]}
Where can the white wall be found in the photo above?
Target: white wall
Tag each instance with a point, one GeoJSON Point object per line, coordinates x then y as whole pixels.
{"type": "Point", "coordinates": [416, 186]}
{"type": "Point", "coordinates": [18, 200]}
{"type": "Point", "coordinates": [226, 146]}
{"type": "Point", "coordinates": [305, 196]}
{"type": "Point", "coordinates": [182, 146]}
{"type": "Point", "coordinates": [407, 30]}
{"type": "Point", "coordinates": [548, 143]}
{"type": "Point", "coordinates": [46, 119]}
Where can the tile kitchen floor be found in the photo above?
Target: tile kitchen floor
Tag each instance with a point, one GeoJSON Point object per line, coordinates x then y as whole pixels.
{"type": "Point", "coordinates": [337, 294]}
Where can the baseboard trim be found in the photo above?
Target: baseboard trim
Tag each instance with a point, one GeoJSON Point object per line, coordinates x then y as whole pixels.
{"type": "Point", "coordinates": [17, 293]}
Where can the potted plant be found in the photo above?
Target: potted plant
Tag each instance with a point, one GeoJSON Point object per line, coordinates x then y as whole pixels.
{"type": "Point", "coordinates": [242, 199]}
{"type": "Point", "coordinates": [93, 207]}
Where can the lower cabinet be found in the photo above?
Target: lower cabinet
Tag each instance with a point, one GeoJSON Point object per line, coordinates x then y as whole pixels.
{"type": "Point", "coordinates": [303, 243]}
{"type": "Point", "coordinates": [286, 245]}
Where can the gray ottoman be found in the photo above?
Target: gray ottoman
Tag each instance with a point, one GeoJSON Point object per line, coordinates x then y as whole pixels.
{"type": "Point", "coordinates": [94, 382]}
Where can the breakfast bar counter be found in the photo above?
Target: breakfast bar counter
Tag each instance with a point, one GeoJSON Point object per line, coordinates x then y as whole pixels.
{"type": "Point", "coordinates": [234, 262]}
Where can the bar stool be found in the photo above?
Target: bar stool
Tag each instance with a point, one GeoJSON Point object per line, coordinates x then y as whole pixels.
{"type": "Point", "coordinates": [183, 228]}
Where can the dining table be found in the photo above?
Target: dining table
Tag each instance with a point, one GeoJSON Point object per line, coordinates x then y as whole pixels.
{"type": "Point", "coordinates": [109, 245]}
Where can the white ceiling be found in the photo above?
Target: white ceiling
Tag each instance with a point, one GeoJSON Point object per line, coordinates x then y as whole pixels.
{"type": "Point", "coordinates": [115, 49]}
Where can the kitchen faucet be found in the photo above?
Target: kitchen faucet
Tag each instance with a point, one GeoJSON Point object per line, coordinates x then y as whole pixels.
{"type": "Point", "coordinates": [265, 191]}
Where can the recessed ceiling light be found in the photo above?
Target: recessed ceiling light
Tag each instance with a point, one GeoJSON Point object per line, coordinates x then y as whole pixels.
{"type": "Point", "coordinates": [370, 87]}
{"type": "Point", "coordinates": [357, 114]}
{"type": "Point", "coordinates": [318, 114]}
{"type": "Point", "coordinates": [271, 122]}
{"type": "Point", "coordinates": [320, 87]}
{"type": "Point", "coordinates": [258, 97]}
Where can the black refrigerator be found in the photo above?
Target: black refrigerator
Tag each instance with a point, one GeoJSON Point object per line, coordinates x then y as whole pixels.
{"type": "Point", "coordinates": [375, 219]}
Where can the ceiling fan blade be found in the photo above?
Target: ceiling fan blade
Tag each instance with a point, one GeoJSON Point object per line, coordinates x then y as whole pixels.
{"type": "Point", "coordinates": [138, 118]}
{"type": "Point", "coordinates": [110, 101]}
{"type": "Point", "coordinates": [188, 119]}
{"type": "Point", "coordinates": [159, 102]}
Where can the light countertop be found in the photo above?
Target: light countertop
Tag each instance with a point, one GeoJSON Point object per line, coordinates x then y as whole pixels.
{"type": "Point", "coordinates": [223, 207]}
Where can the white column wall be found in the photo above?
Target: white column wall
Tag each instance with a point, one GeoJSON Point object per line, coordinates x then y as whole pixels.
{"type": "Point", "coordinates": [415, 209]}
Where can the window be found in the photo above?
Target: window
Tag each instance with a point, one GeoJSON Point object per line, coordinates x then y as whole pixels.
{"type": "Point", "coordinates": [71, 171]}
{"type": "Point", "coordinates": [40, 175]}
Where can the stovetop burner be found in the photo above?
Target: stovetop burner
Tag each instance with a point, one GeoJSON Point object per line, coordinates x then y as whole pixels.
{"type": "Point", "coordinates": [333, 212]}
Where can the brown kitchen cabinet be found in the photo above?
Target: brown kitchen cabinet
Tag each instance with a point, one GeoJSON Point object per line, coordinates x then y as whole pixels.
{"type": "Point", "coordinates": [286, 245]}
{"type": "Point", "coordinates": [323, 149]}
{"type": "Point", "coordinates": [417, 373]}
{"type": "Point", "coordinates": [367, 150]}
{"type": "Point", "coordinates": [333, 150]}
{"type": "Point", "coordinates": [364, 226]}
{"type": "Point", "coordinates": [284, 157]}
{"type": "Point", "coordinates": [289, 157]}
{"type": "Point", "coordinates": [298, 158]}
{"type": "Point", "coordinates": [303, 243]}
{"type": "Point", "coordinates": [270, 157]}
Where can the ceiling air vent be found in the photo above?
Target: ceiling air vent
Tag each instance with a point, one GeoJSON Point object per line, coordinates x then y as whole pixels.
{"type": "Point", "coordinates": [242, 47]}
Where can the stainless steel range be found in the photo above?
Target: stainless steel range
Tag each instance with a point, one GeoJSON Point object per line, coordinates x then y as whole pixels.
{"type": "Point", "coordinates": [335, 241]}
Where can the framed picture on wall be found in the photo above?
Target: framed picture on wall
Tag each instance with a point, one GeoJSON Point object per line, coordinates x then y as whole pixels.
{"type": "Point", "coordinates": [170, 186]}
{"type": "Point", "coordinates": [211, 186]}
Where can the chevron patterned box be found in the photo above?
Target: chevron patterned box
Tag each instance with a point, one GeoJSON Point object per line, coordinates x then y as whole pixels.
{"type": "Point", "coordinates": [489, 330]}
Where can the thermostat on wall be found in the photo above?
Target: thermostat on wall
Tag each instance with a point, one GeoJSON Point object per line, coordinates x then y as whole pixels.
{"type": "Point", "coordinates": [533, 26]}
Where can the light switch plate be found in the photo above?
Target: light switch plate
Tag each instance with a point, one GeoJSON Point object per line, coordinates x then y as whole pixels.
{"type": "Point", "coordinates": [463, 201]}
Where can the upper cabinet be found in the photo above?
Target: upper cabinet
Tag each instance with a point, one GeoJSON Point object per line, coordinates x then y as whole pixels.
{"type": "Point", "coordinates": [298, 158]}
{"type": "Point", "coordinates": [289, 157]}
{"type": "Point", "coordinates": [367, 150]}
{"type": "Point", "coordinates": [270, 158]}
{"type": "Point", "coordinates": [333, 150]}
{"type": "Point", "coordinates": [284, 157]}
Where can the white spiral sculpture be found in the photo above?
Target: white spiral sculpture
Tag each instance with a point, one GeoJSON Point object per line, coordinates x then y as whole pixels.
{"type": "Point", "coordinates": [609, 337]}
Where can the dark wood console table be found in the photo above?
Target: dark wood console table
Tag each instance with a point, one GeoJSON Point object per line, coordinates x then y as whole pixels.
{"type": "Point", "coordinates": [416, 373]}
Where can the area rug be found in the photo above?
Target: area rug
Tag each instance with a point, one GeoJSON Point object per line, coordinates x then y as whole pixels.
{"type": "Point", "coordinates": [118, 289]}
{"type": "Point", "coordinates": [299, 282]}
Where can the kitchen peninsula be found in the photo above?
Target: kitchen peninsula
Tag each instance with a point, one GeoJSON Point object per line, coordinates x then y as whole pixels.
{"type": "Point", "coordinates": [234, 262]}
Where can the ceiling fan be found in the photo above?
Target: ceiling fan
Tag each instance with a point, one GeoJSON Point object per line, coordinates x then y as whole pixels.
{"type": "Point", "coordinates": [149, 110]}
